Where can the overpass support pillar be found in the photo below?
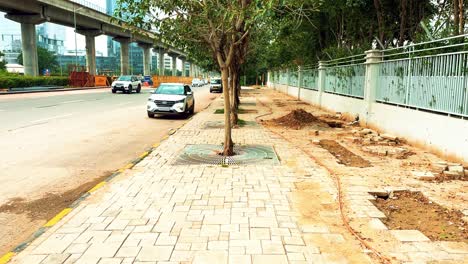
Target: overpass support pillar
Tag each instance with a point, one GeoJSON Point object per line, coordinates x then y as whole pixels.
{"type": "Point", "coordinates": [90, 36]}
{"type": "Point", "coordinates": [174, 65]}
{"type": "Point", "coordinates": [191, 69]}
{"type": "Point", "coordinates": [124, 55]}
{"type": "Point", "coordinates": [28, 40]}
{"type": "Point", "coordinates": [90, 54]}
{"type": "Point", "coordinates": [146, 57]}
{"type": "Point", "coordinates": [161, 61]}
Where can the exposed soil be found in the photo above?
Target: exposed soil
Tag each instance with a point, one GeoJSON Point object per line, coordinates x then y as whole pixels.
{"type": "Point", "coordinates": [344, 156]}
{"type": "Point", "coordinates": [295, 119]}
{"type": "Point", "coordinates": [52, 203]}
{"type": "Point", "coordinates": [21, 218]}
{"type": "Point", "coordinates": [411, 210]}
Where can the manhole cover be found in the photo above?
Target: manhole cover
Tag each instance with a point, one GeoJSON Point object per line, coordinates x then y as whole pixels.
{"type": "Point", "coordinates": [208, 154]}
{"type": "Point", "coordinates": [220, 124]}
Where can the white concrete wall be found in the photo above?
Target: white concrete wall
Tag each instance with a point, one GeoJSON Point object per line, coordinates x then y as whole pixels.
{"type": "Point", "coordinates": [310, 96]}
{"type": "Point", "coordinates": [293, 91]}
{"type": "Point", "coordinates": [344, 104]}
{"type": "Point", "coordinates": [442, 133]}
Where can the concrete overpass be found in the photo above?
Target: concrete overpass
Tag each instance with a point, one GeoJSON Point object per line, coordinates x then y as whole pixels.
{"type": "Point", "coordinates": [88, 22]}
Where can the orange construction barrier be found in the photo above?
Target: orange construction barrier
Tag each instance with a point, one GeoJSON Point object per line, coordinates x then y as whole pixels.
{"type": "Point", "coordinates": [157, 80]}
{"type": "Point", "coordinates": [101, 80]}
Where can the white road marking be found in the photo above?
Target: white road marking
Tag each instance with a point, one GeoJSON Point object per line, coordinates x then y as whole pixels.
{"type": "Point", "coordinates": [126, 103]}
{"type": "Point", "coordinates": [50, 118]}
{"type": "Point", "coordinates": [74, 101]}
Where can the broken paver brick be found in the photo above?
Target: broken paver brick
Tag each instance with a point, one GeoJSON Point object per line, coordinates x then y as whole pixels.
{"type": "Point", "coordinates": [409, 235]}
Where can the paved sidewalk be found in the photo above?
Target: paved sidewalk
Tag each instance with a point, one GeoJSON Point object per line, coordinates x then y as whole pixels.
{"type": "Point", "coordinates": [159, 212]}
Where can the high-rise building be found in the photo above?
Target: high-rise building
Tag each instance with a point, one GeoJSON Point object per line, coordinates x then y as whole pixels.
{"type": "Point", "coordinates": [49, 36]}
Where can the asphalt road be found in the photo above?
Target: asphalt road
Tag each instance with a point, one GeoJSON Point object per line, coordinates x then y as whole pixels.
{"type": "Point", "coordinates": [54, 142]}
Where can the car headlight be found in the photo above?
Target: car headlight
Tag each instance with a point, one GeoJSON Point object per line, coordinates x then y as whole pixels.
{"type": "Point", "coordinates": [180, 101]}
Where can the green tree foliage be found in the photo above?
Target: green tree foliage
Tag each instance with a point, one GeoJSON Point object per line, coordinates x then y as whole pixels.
{"type": "Point", "coordinates": [218, 30]}
{"type": "Point", "coordinates": [2, 62]}
{"type": "Point", "coordinates": [46, 60]}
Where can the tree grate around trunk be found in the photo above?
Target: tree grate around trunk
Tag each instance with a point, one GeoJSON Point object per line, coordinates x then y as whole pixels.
{"type": "Point", "coordinates": [206, 154]}
{"type": "Point", "coordinates": [220, 124]}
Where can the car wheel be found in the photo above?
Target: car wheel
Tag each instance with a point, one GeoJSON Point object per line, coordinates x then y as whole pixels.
{"type": "Point", "coordinates": [150, 115]}
{"type": "Point", "coordinates": [138, 90]}
{"type": "Point", "coordinates": [129, 89]}
{"type": "Point", "coordinates": [192, 110]}
{"type": "Point", "coordinates": [114, 91]}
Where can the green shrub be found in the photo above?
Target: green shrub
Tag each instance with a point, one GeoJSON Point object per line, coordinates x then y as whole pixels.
{"type": "Point", "coordinates": [14, 81]}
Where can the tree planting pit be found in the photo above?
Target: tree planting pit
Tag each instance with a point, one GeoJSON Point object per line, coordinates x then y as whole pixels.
{"type": "Point", "coordinates": [407, 210]}
{"type": "Point", "coordinates": [343, 155]}
{"type": "Point", "coordinates": [206, 154]}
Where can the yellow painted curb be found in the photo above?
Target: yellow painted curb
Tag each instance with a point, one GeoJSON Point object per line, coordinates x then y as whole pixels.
{"type": "Point", "coordinates": [165, 137]}
{"type": "Point", "coordinates": [144, 154]}
{"type": "Point", "coordinates": [97, 186]}
{"type": "Point", "coordinates": [57, 218]}
{"type": "Point", "coordinates": [7, 257]}
{"type": "Point", "coordinates": [128, 166]}
{"type": "Point", "coordinates": [156, 145]}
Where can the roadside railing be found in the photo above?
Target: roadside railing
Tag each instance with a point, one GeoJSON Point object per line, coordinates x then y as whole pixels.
{"type": "Point", "coordinates": [430, 76]}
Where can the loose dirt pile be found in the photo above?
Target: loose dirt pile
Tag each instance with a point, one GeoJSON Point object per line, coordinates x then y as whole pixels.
{"type": "Point", "coordinates": [295, 119]}
{"type": "Point", "coordinates": [344, 156]}
{"type": "Point", "coordinates": [411, 210]}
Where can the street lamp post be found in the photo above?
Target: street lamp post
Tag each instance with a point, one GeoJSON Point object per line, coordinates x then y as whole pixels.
{"type": "Point", "coordinates": [76, 45]}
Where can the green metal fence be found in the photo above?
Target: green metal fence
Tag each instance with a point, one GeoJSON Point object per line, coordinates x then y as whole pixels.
{"type": "Point", "coordinates": [345, 80]}
{"type": "Point", "coordinates": [283, 77]}
{"type": "Point", "coordinates": [435, 82]}
{"type": "Point", "coordinates": [309, 79]}
{"type": "Point", "coordinates": [430, 76]}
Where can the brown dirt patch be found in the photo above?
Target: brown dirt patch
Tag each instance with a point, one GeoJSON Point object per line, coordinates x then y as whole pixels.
{"type": "Point", "coordinates": [411, 210]}
{"type": "Point", "coordinates": [50, 204]}
{"type": "Point", "coordinates": [344, 156]}
{"type": "Point", "coordinates": [295, 119]}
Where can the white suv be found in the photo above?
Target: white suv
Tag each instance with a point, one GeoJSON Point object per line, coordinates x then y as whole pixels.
{"type": "Point", "coordinates": [171, 99]}
{"type": "Point", "coordinates": [126, 84]}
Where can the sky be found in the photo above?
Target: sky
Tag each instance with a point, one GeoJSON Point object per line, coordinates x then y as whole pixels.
{"type": "Point", "coordinates": [101, 41]}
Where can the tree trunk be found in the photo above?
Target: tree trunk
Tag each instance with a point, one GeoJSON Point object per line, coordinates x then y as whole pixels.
{"type": "Point", "coordinates": [403, 14]}
{"type": "Point", "coordinates": [378, 9]}
{"type": "Point", "coordinates": [228, 144]}
{"type": "Point", "coordinates": [456, 17]}
{"type": "Point", "coordinates": [462, 17]}
{"type": "Point", "coordinates": [234, 105]}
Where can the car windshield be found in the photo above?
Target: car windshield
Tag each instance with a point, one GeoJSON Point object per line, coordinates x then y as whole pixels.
{"type": "Point", "coordinates": [216, 81]}
{"type": "Point", "coordinates": [170, 89]}
{"type": "Point", "coordinates": [124, 78]}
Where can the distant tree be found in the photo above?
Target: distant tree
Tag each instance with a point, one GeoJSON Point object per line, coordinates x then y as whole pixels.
{"type": "Point", "coordinates": [2, 62]}
{"type": "Point", "coordinates": [46, 60]}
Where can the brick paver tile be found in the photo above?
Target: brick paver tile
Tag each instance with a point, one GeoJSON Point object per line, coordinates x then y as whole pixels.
{"type": "Point", "coordinates": [155, 253]}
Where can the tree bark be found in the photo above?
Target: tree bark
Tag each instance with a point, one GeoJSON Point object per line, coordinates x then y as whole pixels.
{"type": "Point", "coordinates": [403, 17]}
{"type": "Point", "coordinates": [234, 105]}
{"type": "Point", "coordinates": [228, 144]}
{"type": "Point", "coordinates": [461, 8]}
{"type": "Point", "coordinates": [456, 17]}
{"type": "Point", "coordinates": [378, 9]}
